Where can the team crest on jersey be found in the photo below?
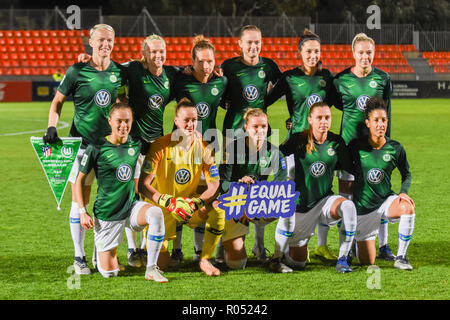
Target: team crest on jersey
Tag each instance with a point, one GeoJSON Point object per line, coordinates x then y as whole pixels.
{"type": "Point", "coordinates": [314, 98]}
{"type": "Point", "coordinates": [373, 84]}
{"type": "Point", "coordinates": [261, 74]}
{"type": "Point", "coordinates": [317, 169]}
{"type": "Point", "coordinates": [102, 98]}
{"type": "Point", "coordinates": [361, 102]}
{"type": "Point", "coordinates": [66, 151]}
{"type": "Point", "coordinates": [182, 176]}
{"type": "Point", "coordinates": [375, 176]}
{"type": "Point", "coordinates": [251, 93]}
{"type": "Point", "coordinates": [123, 173]}
{"type": "Point", "coordinates": [322, 83]}
{"type": "Point", "coordinates": [214, 91]}
{"type": "Point", "coordinates": [155, 101]}
{"type": "Point", "coordinates": [113, 78]}
{"type": "Point", "coordinates": [166, 84]}
{"type": "Point", "coordinates": [263, 162]}
{"type": "Point", "coordinates": [387, 157]}
{"type": "Point", "coordinates": [331, 152]}
{"type": "Point", "coordinates": [202, 110]}
{"type": "Point", "coordinates": [131, 152]}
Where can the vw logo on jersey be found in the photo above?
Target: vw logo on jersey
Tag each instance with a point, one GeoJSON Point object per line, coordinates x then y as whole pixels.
{"type": "Point", "coordinates": [155, 101]}
{"type": "Point", "coordinates": [361, 102]}
{"type": "Point", "coordinates": [314, 98]}
{"type": "Point", "coordinates": [123, 173]}
{"type": "Point", "coordinates": [375, 176]}
{"type": "Point", "coordinates": [317, 169]}
{"type": "Point", "coordinates": [251, 93]}
{"type": "Point", "coordinates": [102, 98]}
{"type": "Point", "coordinates": [182, 176]}
{"type": "Point", "coordinates": [202, 110]}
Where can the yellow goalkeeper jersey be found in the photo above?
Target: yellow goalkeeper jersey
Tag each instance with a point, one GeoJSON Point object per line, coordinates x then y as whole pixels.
{"type": "Point", "coordinates": [177, 170]}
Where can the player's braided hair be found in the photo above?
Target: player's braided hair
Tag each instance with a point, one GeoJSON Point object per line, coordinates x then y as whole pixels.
{"type": "Point", "coordinates": [372, 104]}
{"type": "Point", "coordinates": [310, 147]}
{"type": "Point", "coordinates": [200, 42]}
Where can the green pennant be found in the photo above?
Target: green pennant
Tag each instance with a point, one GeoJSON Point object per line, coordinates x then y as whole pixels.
{"type": "Point", "coordinates": [57, 161]}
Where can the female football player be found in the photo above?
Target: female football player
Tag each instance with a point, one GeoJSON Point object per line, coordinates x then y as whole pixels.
{"type": "Point", "coordinates": [250, 77]}
{"type": "Point", "coordinates": [303, 86]}
{"type": "Point", "coordinates": [170, 177]}
{"type": "Point", "coordinates": [114, 162]}
{"type": "Point", "coordinates": [249, 159]}
{"type": "Point", "coordinates": [375, 157]}
{"type": "Point", "coordinates": [317, 153]}
{"type": "Point", "coordinates": [204, 89]}
{"type": "Point", "coordinates": [95, 87]}
{"type": "Point", "coordinates": [351, 90]}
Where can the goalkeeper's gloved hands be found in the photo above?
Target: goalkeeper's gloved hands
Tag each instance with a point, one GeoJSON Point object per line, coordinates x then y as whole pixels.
{"type": "Point", "coordinates": [178, 207]}
{"type": "Point", "coordinates": [51, 136]}
{"type": "Point", "coordinates": [196, 204]}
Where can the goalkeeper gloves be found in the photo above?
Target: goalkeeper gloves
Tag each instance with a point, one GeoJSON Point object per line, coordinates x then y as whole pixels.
{"type": "Point", "coordinates": [51, 136]}
{"type": "Point", "coordinates": [196, 204]}
{"type": "Point", "coordinates": [178, 207]}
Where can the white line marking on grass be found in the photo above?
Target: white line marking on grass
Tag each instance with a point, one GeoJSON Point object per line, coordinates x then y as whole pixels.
{"type": "Point", "coordinates": [62, 126]}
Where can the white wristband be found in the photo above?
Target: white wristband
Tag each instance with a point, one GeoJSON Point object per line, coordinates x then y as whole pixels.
{"type": "Point", "coordinates": [82, 210]}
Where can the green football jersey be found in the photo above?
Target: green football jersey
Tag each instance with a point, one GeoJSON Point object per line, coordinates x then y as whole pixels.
{"type": "Point", "coordinates": [247, 88]}
{"type": "Point", "coordinates": [267, 162]}
{"type": "Point", "coordinates": [207, 97]}
{"type": "Point", "coordinates": [93, 94]}
{"type": "Point", "coordinates": [148, 96]}
{"type": "Point", "coordinates": [350, 94]}
{"type": "Point", "coordinates": [301, 91]}
{"type": "Point", "coordinates": [314, 171]}
{"type": "Point", "coordinates": [373, 171]}
{"type": "Point", "coordinates": [114, 167]}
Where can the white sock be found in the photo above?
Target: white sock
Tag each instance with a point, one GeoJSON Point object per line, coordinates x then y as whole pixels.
{"type": "Point", "coordinates": [322, 234]}
{"type": "Point", "coordinates": [199, 233]}
{"type": "Point", "coordinates": [131, 238]}
{"type": "Point", "coordinates": [405, 230]}
{"type": "Point", "coordinates": [77, 231]}
{"type": "Point", "coordinates": [155, 234]}
{"type": "Point", "coordinates": [383, 233]}
{"type": "Point", "coordinates": [177, 240]}
{"type": "Point", "coordinates": [347, 212]}
{"type": "Point", "coordinates": [283, 232]}
{"type": "Point", "coordinates": [142, 239]}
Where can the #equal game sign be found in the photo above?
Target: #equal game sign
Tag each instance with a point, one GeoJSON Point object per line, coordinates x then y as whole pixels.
{"type": "Point", "coordinates": [263, 199]}
{"type": "Point", "coordinates": [56, 160]}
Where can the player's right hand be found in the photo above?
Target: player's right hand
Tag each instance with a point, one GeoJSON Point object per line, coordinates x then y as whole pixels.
{"type": "Point", "coordinates": [51, 136]}
{"type": "Point", "coordinates": [86, 221]}
{"type": "Point", "coordinates": [178, 207]}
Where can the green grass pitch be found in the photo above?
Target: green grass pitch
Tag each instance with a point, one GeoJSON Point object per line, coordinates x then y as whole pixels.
{"type": "Point", "coordinates": [36, 246]}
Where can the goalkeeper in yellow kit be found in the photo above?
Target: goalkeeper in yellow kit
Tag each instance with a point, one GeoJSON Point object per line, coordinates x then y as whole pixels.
{"type": "Point", "coordinates": [170, 175]}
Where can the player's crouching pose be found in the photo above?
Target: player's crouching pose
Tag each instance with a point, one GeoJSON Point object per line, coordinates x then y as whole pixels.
{"type": "Point", "coordinates": [375, 158]}
{"type": "Point", "coordinates": [249, 159]}
{"type": "Point", "coordinates": [114, 162]}
{"type": "Point", "coordinates": [317, 153]}
{"type": "Point", "coordinates": [170, 176]}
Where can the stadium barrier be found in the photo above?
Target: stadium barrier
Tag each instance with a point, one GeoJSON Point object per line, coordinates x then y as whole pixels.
{"type": "Point", "coordinates": [26, 91]}
{"type": "Point", "coordinates": [15, 91]}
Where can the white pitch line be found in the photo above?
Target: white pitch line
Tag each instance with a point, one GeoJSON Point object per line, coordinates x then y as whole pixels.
{"type": "Point", "coordinates": [63, 125]}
